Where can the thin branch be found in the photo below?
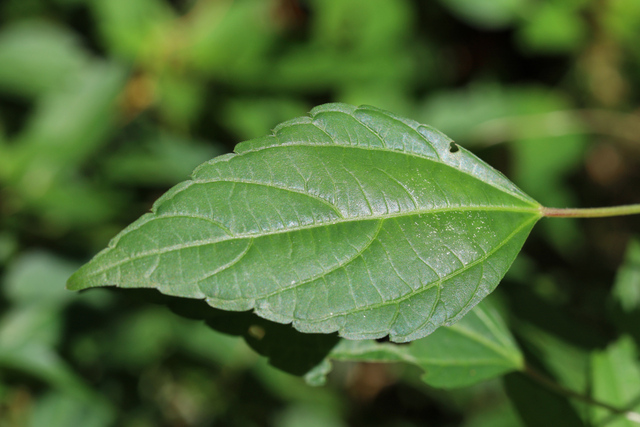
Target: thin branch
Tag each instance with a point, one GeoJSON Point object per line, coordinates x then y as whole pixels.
{"type": "Point", "coordinates": [591, 212]}
{"type": "Point", "coordinates": [563, 391]}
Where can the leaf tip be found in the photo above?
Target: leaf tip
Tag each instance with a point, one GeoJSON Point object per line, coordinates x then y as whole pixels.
{"type": "Point", "coordinates": [74, 283]}
{"type": "Point", "coordinates": [81, 280]}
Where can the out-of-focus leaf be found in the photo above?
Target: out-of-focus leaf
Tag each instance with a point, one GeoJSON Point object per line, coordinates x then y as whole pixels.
{"type": "Point", "coordinates": [616, 381]}
{"type": "Point", "coordinates": [352, 220]}
{"type": "Point", "coordinates": [494, 114]}
{"type": "Point", "coordinates": [308, 416]}
{"type": "Point", "coordinates": [626, 289]}
{"type": "Point", "coordinates": [488, 14]}
{"type": "Point", "coordinates": [567, 363]}
{"type": "Point", "coordinates": [8, 246]}
{"type": "Point", "coordinates": [501, 416]}
{"type": "Point", "coordinates": [390, 95]}
{"type": "Point", "coordinates": [75, 203]}
{"type": "Point", "coordinates": [70, 123]}
{"type": "Point", "coordinates": [356, 46]}
{"type": "Point", "coordinates": [305, 70]}
{"type": "Point", "coordinates": [38, 278]}
{"type": "Point", "coordinates": [32, 328]}
{"type": "Point", "coordinates": [139, 338]}
{"type": "Point", "coordinates": [625, 307]}
{"type": "Point", "coordinates": [553, 27]}
{"type": "Point", "coordinates": [530, 118]}
{"type": "Point", "coordinates": [56, 409]}
{"type": "Point", "coordinates": [251, 118]}
{"type": "Point", "coordinates": [537, 405]}
{"type": "Point", "coordinates": [180, 99]}
{"type": "Point", "coordinates": [621, 19]}
{"type": "Point", "coordinates": [20, 327]}
{"type": "Point", "coordinates": [475, 349]}
{"type": "Point", "coordinates": [34, 283]}
{"type": "Point", "coordinates": [204, 343]}
{"type": "Point", "coordinates": [37, 57]}
{"type": "Point", "coordinates": [136, 31]}
{"type": "Point", "coordinates": [284, 347]}
{"type": "Point", "coordinates": [367, 26]}
{"type": "Point", "coordinates": [229, 40]}
{"type": "Point", "coordinates": [543, 175]}
{"type": "Point", "coordinates": [158, 159]}
{"type": "Point", "coordinates": [26, 339]}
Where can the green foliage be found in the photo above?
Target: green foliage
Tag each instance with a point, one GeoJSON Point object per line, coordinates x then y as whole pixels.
{"type": "Point", "coordinates": [476, 348]}
{"type": "Point", "coordinates": [352, 220]}
{"type": "Point", "coordinates": [487, 13]}
{"type": "Point", "coordinates": [106, 104]}
{"type": "Point", "coordinates": [616, 374]}
{"type": "Point", "coordinates": [627, 286]}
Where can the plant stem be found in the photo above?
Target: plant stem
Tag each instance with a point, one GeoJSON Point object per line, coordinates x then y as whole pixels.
{"type": "Point", "coordinates": [563, 391]}
{"type": "Point", "coordinates": [592, 212]}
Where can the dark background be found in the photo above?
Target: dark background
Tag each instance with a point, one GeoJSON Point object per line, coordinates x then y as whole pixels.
{"type": "Point", "coordinates": [105, 104]}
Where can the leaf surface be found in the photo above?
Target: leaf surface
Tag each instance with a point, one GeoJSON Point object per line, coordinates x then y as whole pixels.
{"type": "Point", "coordinates": [616, 381]}
{"type": "Point", "coordinates": [475, 349]}
{"type": "Point", "coordinates": [351, 220]}
{"type": "Point", "coordinates": [626, 290]}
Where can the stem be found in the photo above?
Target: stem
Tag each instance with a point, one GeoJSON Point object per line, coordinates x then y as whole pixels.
{"type": "Point", "coordinates": [591, 212]}
{"type": "Point", "coordinates": [563, 391]}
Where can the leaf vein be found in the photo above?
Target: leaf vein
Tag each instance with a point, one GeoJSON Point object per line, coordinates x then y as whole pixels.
{"type": "Point", "coordinates": [441, 280]}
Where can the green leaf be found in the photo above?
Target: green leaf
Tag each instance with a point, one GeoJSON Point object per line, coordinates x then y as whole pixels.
{"type": "Point", "coordinates": [133, 30]}
{"type": "Point", "coordinates": [487, 14]}
{"type": "Point", "coordinates": [27, 337]}
{"type": "Point", "coordinates": [351, 220]}
{"type": "Point", "coordinates": [56, 409]}
{"type": "Point", "coordinates": [626, 290]}
{"type": "Point", "coordinates": [157, 158]}
{"type": "Point", "coordinates": [625, 305]}
{"type": "Point", "coordinates": [308, 415]}
{"type": "Point", "coordinates": [537, 405]}
{"type": "Point", "coordinates": [41, 57]}
{"type": "Point", "coordinates": [567, 362]}
{"type": "Point", "coordinates": [554, 28]}
{"type": "Point", "coordinates": [41, 166]}
{"type": "Point", "coordinates": [475, 349]}
{"type": "Point", "coordinates": [616, 381]}
{"type": "Point", "coordinates": [37, 278]}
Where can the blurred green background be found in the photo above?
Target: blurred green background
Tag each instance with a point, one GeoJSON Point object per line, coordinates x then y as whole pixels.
{"type": "Point", "coordinates": [105, 104]}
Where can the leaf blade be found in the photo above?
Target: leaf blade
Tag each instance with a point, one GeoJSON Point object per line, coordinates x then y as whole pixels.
{"type": "Point", "coordinates": [477, 348]}
{"type": "Point", "coordinates": [341, 221]}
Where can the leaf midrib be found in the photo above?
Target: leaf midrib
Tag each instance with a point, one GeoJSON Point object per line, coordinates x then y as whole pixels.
{"type": "Point", "coordinates": [206, 242]}
{"type": "Point", "coordinates": [406, 296]}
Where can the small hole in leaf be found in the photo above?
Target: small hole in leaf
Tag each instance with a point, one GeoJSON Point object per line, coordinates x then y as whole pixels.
{"type": "Point", "coordinates": [453, 147]}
